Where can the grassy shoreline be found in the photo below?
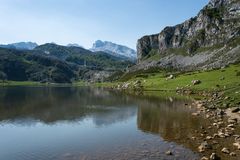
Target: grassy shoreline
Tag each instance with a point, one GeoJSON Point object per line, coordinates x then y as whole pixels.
{"type": "Point", "coordinates": [20, 83]}
{"type": "Point", "coordinates": [32, 83]}
{"type": "Point", "coordinates": [225, 81]}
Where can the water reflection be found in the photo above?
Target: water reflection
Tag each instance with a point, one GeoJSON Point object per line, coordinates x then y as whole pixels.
{"type": "Point", "coordinates": [28, 105]}
{"type": "Point", "coordinates": [168, 121]}
{"type": "Point", "coordinates": [91, 122]}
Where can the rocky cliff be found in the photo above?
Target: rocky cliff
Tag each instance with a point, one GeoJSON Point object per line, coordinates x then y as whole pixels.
{"type": "Point", "coordinates": [200, 41]}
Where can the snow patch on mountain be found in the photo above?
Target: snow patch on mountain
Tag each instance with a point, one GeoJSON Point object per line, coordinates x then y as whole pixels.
{"type": "Point", "coordinates": [114, 49]}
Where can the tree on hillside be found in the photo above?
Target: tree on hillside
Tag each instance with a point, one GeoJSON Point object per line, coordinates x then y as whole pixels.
{"type": "Point", "coordinates": [3, 76]}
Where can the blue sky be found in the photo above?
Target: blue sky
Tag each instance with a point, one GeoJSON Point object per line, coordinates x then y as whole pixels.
{"type": "Point", "coordinates": [84, 21]}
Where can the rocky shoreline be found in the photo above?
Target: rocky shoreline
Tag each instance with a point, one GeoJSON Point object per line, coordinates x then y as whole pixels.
{"type": "Point", "coordinates": [220, 137]}
{"type": "Point", "coordinates": [223, 129]}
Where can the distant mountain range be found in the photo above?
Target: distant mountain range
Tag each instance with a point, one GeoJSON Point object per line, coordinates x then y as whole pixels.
{"type": "Point", "coordinates": [74, 45]}
{"type": "Point", "coordinates": [114, 49]}
{"type": "Point", "coordinates": [55, 63]}
{"type": "Point", "coordinates": [51, 62]}
{"type": "Point", "coordinates": [20, 45]}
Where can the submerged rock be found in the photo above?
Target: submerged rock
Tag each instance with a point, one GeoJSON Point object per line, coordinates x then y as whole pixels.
{"type": "Point", "coordinates": [231, 126]}
{"type": "Point", "coordinates": [225, 150]}
{"type": "Point", "coordinates": [214, 156]}
{"type": "Point", "coordinates": [204, 158]}
{"type": "Point", "coordinates": [204, 146]}
{"type": "Point", "coordinates": [237, 144]}
{"type": "Point", "coordinates": [168, 153]}
{"type": "Point", "coordinates": [233, 154]}
{"type": "Point", "coordinates": [232, 120]}
{"type": "Point", "coordinates": [209, 137]}
{"type": "Point", "coordinates": [195, 114]}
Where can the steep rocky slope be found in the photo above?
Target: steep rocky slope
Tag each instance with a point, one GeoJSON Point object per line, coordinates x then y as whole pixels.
{"type": "Point", "coordinates": [209, 40]}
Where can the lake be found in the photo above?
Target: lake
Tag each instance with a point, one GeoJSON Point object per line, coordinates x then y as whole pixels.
{"type": "Point", "coordinates": [70, 123]}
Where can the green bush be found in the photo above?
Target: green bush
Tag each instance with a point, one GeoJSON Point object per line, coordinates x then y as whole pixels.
{"type": "Point", "coordinates": [238, 73]}
{"type": "Point", "coordinates": [3, 76]}
{"type": "Point", "coordinates": [214, 13]}
{"type": "Point", "coordinates": [142, 76]}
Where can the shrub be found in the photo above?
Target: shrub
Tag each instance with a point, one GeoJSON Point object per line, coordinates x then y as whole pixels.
{"type": "Point", "coordinates": [142, 76]}
{"type": "Point", "coordinates": [214, 13]}
{"type": "Point", "coordinates": [238, 73]}
{"type": "Point", "coordinates": [3, 76]}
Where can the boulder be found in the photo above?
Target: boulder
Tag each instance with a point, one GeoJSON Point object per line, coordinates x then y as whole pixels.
{"type": "Point", "coordinates": [170, 77]}
{"type": "Point", "coordinates": [196, 82]}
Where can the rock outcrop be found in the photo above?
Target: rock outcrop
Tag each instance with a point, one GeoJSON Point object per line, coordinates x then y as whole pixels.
{"type": "Point", "coordinates": [216, 28]}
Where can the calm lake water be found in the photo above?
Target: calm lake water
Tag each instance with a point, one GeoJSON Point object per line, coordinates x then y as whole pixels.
{"type": "Point", "coordinates": [67, 123]}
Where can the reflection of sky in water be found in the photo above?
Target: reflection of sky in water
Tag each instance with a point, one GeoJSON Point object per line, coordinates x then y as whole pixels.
{"type": "Point", "coordinates": [115, 115]}
{"type": "Point", "coordinates": [50, 105]}
{"type": "Point", "coordinates": [108, 116]}
{"type": "Point", "coordinates": [43, 123]}
{"type": "Point", "coordinates": [61, 137]}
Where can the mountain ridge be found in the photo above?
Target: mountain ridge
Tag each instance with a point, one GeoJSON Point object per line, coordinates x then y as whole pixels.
{"type": "Point", "coordinates": [58, 64]}
{"type": "Point", "coordinates": [114, 49]}
{"type": "Point", "coordinates": [197, 43]}
{"type": "Point", "coordinates": [20, 45]}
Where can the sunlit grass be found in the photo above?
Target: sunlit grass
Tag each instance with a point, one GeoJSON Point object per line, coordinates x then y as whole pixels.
{"type": "Point", "coordinates": [215, 79]}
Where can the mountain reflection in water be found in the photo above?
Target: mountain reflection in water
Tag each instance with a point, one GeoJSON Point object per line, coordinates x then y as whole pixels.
{"type": "Point", "coordinates": [93, 123]}
{"type": "Point", "coordinates": [50, 105]}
